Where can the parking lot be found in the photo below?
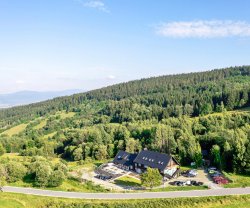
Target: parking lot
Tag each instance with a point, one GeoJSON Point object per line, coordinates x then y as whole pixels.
{"type": "Point", "coordinates": [202, 176]}
{"type": "Point", "coordinates": [107, 173]}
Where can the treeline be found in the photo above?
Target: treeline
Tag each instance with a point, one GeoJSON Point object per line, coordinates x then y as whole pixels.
{"type": "Point", "coordinates": [190, 94]}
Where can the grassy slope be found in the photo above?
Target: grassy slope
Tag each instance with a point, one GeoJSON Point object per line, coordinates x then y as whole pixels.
{"type": "Point", "coordinates": [237, 180]}
{"type": "Point", "coordinates": [21, 127]}
{"type": "Point", "coordinates": [28, 201]}
{"type": "Point", "coordinates": [40, 125]}
{"type": "Point", "coordinates": [15, 130]}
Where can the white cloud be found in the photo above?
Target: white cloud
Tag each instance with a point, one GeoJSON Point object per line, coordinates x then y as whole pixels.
{"type": "Point", "coordinates": [95, 4]}
{"type": "Point", "coordinates": [111, 77]}
{"type": "Point", "coordinates": [204, 29]}
{"type": "Point", "coordinates": [20, 82]}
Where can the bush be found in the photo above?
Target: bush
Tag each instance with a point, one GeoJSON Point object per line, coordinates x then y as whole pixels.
{"type": "Point", "coordinates": [56, 178]}
{"type": "Point", "coordinates": [15, 171]}
{"type": "Point", "coordinates": [2, 150]}
{"type": "Point", "coordinates": [42, 174]}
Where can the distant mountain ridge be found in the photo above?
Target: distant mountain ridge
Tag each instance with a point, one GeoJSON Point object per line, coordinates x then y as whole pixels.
{"type": "Point", "coordinates": [28, 97]}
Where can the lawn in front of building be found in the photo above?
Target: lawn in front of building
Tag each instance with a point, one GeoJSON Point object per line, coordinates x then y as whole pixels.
{"type": "Point", "coordinates": [127, 181]}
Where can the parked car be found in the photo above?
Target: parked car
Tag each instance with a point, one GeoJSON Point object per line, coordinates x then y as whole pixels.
{"type": "Point", "coordinates": [200, 183]}
{"type": "Point", "coordinates": [215, 174]}
{"type": "Point", "coordinates": [193, 172]}
{"type": "Point", "coordinates": [220, 180]}
{"type": "Point", "coordinates": [211, 169]}
{"type": "Point", "coordinates": [190, 173]}
{"type": "Point", "coordinates": [188, 183]}
{"type": "Point", "coordinates": [102, 177]}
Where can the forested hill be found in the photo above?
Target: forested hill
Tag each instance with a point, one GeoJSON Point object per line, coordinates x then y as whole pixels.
{"type": "Point", "coordinates": [183, 114]}
{"type": "Point", "coordinates": [165, 96]}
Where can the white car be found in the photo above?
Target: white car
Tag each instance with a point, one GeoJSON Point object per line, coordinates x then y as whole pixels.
{"type": "Point", "coordinates": [193, 172]}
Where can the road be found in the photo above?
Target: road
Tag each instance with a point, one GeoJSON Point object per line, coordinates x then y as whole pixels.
{"type": "Point", "coordinates": [141, 195]}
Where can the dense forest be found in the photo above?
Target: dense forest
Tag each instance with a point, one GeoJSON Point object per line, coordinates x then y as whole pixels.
{"type": "Point", "coordinates": [179, 114]}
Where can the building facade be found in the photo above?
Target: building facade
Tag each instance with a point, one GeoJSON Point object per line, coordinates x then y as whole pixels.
{"type": "Point", "coordinates": [167, 165]}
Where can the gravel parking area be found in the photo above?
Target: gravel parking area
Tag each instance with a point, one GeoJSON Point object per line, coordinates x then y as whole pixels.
{"type": "Point", "coordinates": [202, 176]}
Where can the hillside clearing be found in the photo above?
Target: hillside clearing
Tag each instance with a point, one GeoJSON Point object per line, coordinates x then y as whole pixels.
{"type": "Point", "coordinates": [15, 130]}
{"type": "Point", "coordinates": [40, 125]}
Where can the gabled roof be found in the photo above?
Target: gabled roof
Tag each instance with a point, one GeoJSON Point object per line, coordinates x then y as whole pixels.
{"type": "Point", "coordinates": [124, 158]}
{"type": "Point", "coordinates": [154, 159]}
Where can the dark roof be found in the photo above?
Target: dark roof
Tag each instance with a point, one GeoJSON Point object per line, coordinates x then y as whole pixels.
{"type": "Point", "coordinates": [204, 152]}
{"type": "Point", "coordinates": [154, 159]}
{"type": "Point", "coordinates": [124, 158]}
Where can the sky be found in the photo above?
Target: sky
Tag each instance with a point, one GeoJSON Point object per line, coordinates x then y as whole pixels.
{"type": "Point", "coordinates": [50, 45]}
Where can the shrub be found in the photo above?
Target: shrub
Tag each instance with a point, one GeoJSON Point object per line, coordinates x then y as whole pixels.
{"type": "Point", "coordinates": [15, 171]}
{"type": "Point", "coordinates": [56, 178]}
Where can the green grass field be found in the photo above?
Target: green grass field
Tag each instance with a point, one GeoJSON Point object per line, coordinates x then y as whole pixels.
{"type": "Point", "coordinates": [40, 125]}
{"type": "Point", "coordinates": [237, 180]}
{"type": "Point", "coordinates": [15, 130]}
{"type": "Point", "coordinates": [28, 201]}
{"type": "Point", "coordinates": [65, 115]}
{"type": "Point", "coordinates": [71, 184]}
{"type": "Point", "coordinates": [127, 181]}
{"type": "Point", "coordinates": [180, 188]}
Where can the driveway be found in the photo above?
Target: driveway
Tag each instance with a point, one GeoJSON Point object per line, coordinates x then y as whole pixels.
{"type": "Point", "coordinates": [143, 195]}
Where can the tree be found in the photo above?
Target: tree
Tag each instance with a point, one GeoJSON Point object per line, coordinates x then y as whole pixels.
{"type": "Point", "coordinates": [216, 157]}
{"type": "Point", "coordinates": [2, 150]}
{"type": "Point", "coordinates": [206, 109]}
{"type": "Point", "coordinates": [198, 159]}
{"type": "Point", "coordinates": [40, 170]}
{"type": "Point", "coordinates": [239, 149]}
{"type": "Point", "coordinates": [247, 157]}
{"type": "Point", "coordinates": [164, 139]}
{"type": "Point", "coordinates": [15, 171]}
{"type": "Point", "coordinates": [56, 178]}
{"type": "Point", "coordinates": [132, 145]}
{"type": "Point", "coordinates": [101, 152]}
{"type": "Point", "coordinates": [77, 154]}
{"type": "Point", "coordinates": [43, 174]}
{"type": "Point", "coordinates": [3, 175]}
{"type": "Point", "coordinates": [151, 178]}
{"type": "Point", "coordinates": [61, 167]}
{"type": "Point", "coordinates": [110, 150]}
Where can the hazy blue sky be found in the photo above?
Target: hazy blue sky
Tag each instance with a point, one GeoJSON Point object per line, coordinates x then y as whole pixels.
{"type": "Point", "coordinates": [86, 44]}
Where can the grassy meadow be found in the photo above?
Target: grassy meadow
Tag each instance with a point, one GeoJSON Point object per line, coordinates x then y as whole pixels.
{"type": "Point", "coordinates": [28, 201]}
